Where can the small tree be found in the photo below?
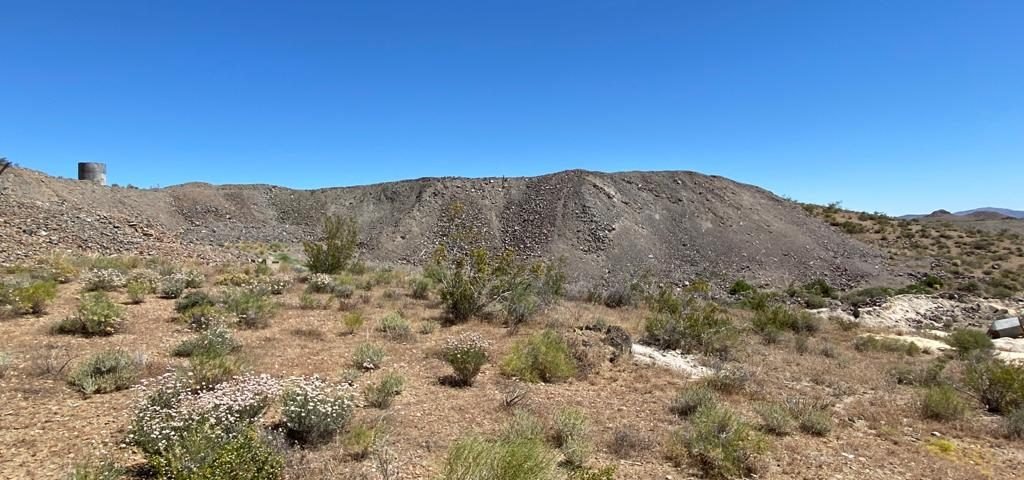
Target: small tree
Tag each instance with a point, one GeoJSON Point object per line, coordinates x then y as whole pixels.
{"type": "Point", "coordinates": [336, 247]}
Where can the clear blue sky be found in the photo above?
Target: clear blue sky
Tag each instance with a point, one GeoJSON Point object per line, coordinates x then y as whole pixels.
{"type": "Point", "coordinates": [891, 106]}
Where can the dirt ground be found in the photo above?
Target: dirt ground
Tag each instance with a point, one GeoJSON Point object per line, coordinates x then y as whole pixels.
{"type": "Point", "coordinates": [46, 427]}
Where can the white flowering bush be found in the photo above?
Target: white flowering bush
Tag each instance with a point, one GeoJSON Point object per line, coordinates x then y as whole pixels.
{"type": "Point", "coordinates": [320, 283]}
{"type": "Point", "coordinates": [168, 412]}
{"type": "Point", "coordinates": [145, 277]}
{"type": "Point", "coordinates": [268, 285]}
{"type": "Point", "coordinates": [96, 315]}
{"type": "Point", "coordinates": [104, 280]}
{"type": "Point", "coordinates": [315, 410]}
{"type": "Point", "coordinates": [193, 278]}
{"type": "Point", "coordinates": [172, 286]}
{"type": "Point", "coordinates": [466, 354]}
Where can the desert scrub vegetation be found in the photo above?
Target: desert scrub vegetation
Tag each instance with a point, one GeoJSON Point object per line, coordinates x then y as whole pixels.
{"type": "Point", "coordinates": [942, 403]}
{"type": "Point", "coordinates": [872, 343]}
{"type": "Point", "coordinates": [382, 394]}
{"type": "Point", "coordinates": [395, 328]}
{"type": "Point", "coordinates": [998, 385]}
{"type": "Point", "coordinates": [314, 410]}
{"type": "Point", "coordinates": [106, 372]}
{"type": "Point", "coordinates": [351, 322]}
{"type": "Point", "coordinates": [703, 328]}
{"type": "Point", "coordinates": [103, 280]}
{"type": "Point", "coordinates": [251, 309]}
{"type": "Point", "coordinates": [571, 436]}
{"type": "Point", "coordinates": [480, 283]}
{"type": "Point", "coordinates": [97, 315]}
{"type": "Point", "coordinates": [772, 321]}
{"type": "Point", "coordinates": [543, 357]}
{"type": "Point", "coordinates": [691, 398]}
{"type": "Point", "coordinates": [718, 442]}
{"type": "Point", "coordinates": [172, 286]}
{"type": "Point", "coordinates": [213, 342]}
{"type": "Point", "coordinates": [188, 434]}
{"type": "Point", "coordinates": [336, 247]}
{"type": "Point", "coordinates": [368, 356]}
{"type": "Point", "coordinates": [968, 342]}
{"type": "Point", "coordinates": [466, 354]}
{"type": "Point", "coordinates": [519, 453]}
{"type": "Point", "coordinates": [27, 296]}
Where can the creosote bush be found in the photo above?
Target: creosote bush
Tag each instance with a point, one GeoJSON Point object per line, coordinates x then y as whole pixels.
{"type": "Point", "coordinates": [998, 385]}
{"type": "Point", "coordinates": [968, 341]}
{"type": "Point", "coordinates": [466, 354]}
{"type": "Point", "coordinates": [942, 403]}
{"type": "Point", "coordinates": [382, 394]}
{"type": "Point", "coordinates": [543, 357]}
{"type": "Point", "coordinates": [779, 318]}
{"type": "Point", "coordinates": [351, 322]}
{"type": "Point", "coordinates": [314, 410]}
{"type": "Point", "coordinates": [106, 372]}
{"type": "Point", "coordinates": [721, 444]}
{"type": "Point", "coordinates": [702, 328]}
{"type": "Point", "coordinates": [96, 315]}
{"type": "Point", "coordinates": [336, 247]}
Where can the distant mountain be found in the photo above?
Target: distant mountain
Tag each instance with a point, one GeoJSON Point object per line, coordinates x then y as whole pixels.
{"type": "Point", "coordinates": [986, 213]}
{"type": "Point", "coordinates": [1002, 211]}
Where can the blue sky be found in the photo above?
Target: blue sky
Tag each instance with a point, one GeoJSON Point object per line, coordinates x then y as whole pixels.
{"type": "Point", "coordinates": [891, 106]}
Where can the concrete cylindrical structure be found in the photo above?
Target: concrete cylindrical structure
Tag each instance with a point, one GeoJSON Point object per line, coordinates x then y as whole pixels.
{"type": "Point", "coordinates": [93, 172]}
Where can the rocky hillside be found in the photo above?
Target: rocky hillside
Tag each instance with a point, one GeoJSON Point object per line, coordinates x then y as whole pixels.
{"type": "Point", "coordinates": [674, 225]}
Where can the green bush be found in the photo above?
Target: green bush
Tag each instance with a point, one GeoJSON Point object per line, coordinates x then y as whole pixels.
{"type": "Point", "coordinates": [740, 287]}
{"type": "Point", "coordinates": [204, 317]}
{"type": "Point", "coordinates": [171, 286]}
{"type": "Point", "coordinates": [208, 371]}
{"type": "Point", "coordinates": [359, 441]}
{"type": "Point", "coordinates": [380, 395]}
{"type": "Point", "coordinates": [543, 357]}
{"type": "Point", "coordinates": [314, 410]}
{"type": "Point", "coordinates": [421, 288]}
{"type": "Point", "coordinates": [395, 328]}
{"type": "Point", "coordinates": [812, 417]}
{"type": "Point", "coordinates": [106, 372]}
{"type": "Point", "coordinates": [335, 249]}
{"type": "Point", "coordinates": [721, 444]}
{"type": "Point", "coordinates": [505, 459]}
{"type": "Point", "coordinates": [997, 384]}
{"type": "Point", "coordinates": [571, 436]}
{"type": "Point", "coordinates": [728, 379]}
{"type": "Point", "coordinates": [758, 300]}
{"type": "Point", "coordinates": [776, 418]}
{"type": "Point", "coordinates": [201, 456]}
{"type": "Point", "coordinates": [1013, 424]}
{"type": "Point", "coordinates": [692, 398]}
{"type": "Point", "coordinates": [96, 315]}
{"type": "Point", "coordinates": [705, 329]}
{"type": "Point", "coordinates": [137, 291]}
{"type": "Point", "coordinates": [96, 471]}
{"type": "Point", "coordinates": [34, 297]}
{"type": "Point", "coordinates": [871, 343]}
{"type": "Point", "coordinates": [194, 299]}
{"type": "Point", "coordinates": [216, 341]}
{"type": "Point", "coordinates": [351, 322]}
{"type": "Point", "coordinates": [368, 357]}
{"type": "Point", "coordinates": [781, 318]}
{"type": "Point", "coordinates": [466, 354]}
{"type": "Point", "coordinates": [968, 341]}
{"type": "Point", "coordinates": [250, 309]}
{"type": "Point", "coordinates": [942, 403]}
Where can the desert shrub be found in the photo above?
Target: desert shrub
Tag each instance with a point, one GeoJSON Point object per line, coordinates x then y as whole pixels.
{"type": "Point", "coordinates": [626, 443]}
{"type": "Point", "coordinates": [776, 418]}
{"type": "Point", "coordinates": [543, 357]}
{"type": "Point", "coordinates": [359, 441]}
{"type": "Point", "coordinates": [320, 283]}
{"type": "Point", "coordinates": [248, 454]}
{"type": "Point", "coordinates": [470, 284]}
{"type": "Point", "coordinates": [820, 287]}
{"type": "Point", "coordinates": [343, 292]}
{"type": "Point", "coordinates": [351, 322]}
{"type": "Point", "coordinates": [193, 278]}
{"type": "Point", "coordinates": [336, 247]}
{"type": "Point", "coordinates": [60, 268]}
{"type": "Point", "coordinates": [171, 286]}
{"type": "Point", "coordinates": [926, 376]}
{"type": "Point", "coordinates": [314, 410]}
{"type": "Point", "coordinates": [691, 398]}
{"type": "Point", "coordinates": [204, 317]}
{"type": "Point", "coordinates": [368, 357]}
{"type": "Point", "coordinates": [103, 280]}
{"type": "Point", "coordinates": [586, 473]}
{"type": "Point", "coordinates": [264, 285]}
{"type": "Point", "coordinates": [193, 299]}
{"type": "Point", "coordinates": [466, 354]}
{"type": "Point", "coordinates": [812, 417]}
{"type": "Point", "coordinates": [474, 458]}
{"type": "Point", "coordinates": [865, 296]}
{"type": "Point", "coordinates": [250, 309]}
{"type": "Point", "coordinates": [137, 292]}
{"type": "Point", "coordinates": [704, 329]}
{"type": "Point", "coordinates": [780, 318]}
{"type": "Point", "coordinates": [106, 372]}
{"type": "Point", "coordinates": [728, 379]}
{"type": "Point", "coordinates": [380, 395]}
{"type": "Point", "coordinates": [311, 302]}
{"type": "Point", "coordinates": [428, 327]}
{"type": "Point", "coordinates": [967, 341]}
{"type": "Point", "coordinates": [104, 470]}
{"type": "Point", "coordinates": [34, 296]}
{"type": "Point", "coordinates": [571, 436]}
{"type": "Point", "coordinates": [871, 343]}
{"type": "Point", "coordinates": [942, 403]}
{"type": "Point", "coordinates": [421, 288]}
{"type": "Point", "coordinates": [997, 384]}
{"type": "Point", "coordinates": [208, 371]}
{"type": "Point", "coordinates": [719, 443]}
{"type": "Point", "coordinates": [215, 341]}
{"type": "Point", "coordinates": [395, 328]}
{"type": "Point", "coordinates": [758, 300]}
{"type": "Point", "coordinates": [5, 364]}
{"type": "Point", "coordinates": [1013, 424]}
{"type": "Point", "coordinates": [96, 315]}
{"type": "Point", "coordinates": [740, 287]}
